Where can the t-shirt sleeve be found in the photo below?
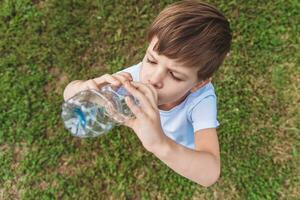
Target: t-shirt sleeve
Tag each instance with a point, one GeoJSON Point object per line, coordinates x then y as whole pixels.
{"type": "Point", "coordinates": [204, 114]}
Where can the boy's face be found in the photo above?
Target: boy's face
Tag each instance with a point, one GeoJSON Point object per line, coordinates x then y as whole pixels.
{"type": "Point", "coordinates": [171, 80]}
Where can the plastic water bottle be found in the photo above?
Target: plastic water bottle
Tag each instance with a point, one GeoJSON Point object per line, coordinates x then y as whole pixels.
{"type": "Point", "coordinates": [91, 113]}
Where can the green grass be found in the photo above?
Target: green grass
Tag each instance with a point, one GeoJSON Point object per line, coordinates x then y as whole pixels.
{"type": "Point", "coordinates": [46, 44]}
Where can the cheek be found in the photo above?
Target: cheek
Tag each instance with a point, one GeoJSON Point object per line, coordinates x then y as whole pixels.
{"type": "Point", "coordinates": [142, 74]}
{"type": "Point", "coordinates": [175, 91]}
{"type": "Point", "coordinates": [145, 73]}
{"type": "Point", "coordinates": [180, 91]}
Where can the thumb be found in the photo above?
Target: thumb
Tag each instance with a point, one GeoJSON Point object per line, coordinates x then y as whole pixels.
{"type": "Point", "coordinates": [92, 84]}
{"type": "Point", "coordinates": [129, 122]}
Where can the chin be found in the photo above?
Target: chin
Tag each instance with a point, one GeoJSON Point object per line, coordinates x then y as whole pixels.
{"type": "Point", "coordinates": [161, 103]}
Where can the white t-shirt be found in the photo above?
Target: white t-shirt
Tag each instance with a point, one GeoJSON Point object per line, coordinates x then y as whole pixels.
{"type": "Point", "coordinates": [197, 111]}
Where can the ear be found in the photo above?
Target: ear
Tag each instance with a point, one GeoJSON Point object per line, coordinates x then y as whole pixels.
{"type": "Point", "coordinates": [200, 85]}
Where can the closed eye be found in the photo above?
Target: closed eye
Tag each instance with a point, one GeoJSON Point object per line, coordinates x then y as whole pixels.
{"type": "Point", "coordinates": [174, 77]}
{"type": "Point", "coordinates": [149, 61]}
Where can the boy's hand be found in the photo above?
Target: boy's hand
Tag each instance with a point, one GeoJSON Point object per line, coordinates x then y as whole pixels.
{"type": "Point", "coordinates": [115, 80]}
{"type": "Point", "coordinates": [146, 123]}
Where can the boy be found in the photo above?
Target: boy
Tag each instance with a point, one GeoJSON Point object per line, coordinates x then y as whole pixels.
{"type": "Point", "coordinates": [177, 116]}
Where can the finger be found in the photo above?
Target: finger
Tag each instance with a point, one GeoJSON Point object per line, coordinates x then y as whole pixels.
{"type": "Point", "coordinates": [149, 88]}
{"type": "Point", "coordinates": [136, 110]}
{"type": "Point", "coordinates": [107, 78]}
{"type": "Point", "coordinates": [114, 114]}
{"type": "Point", "coordinates": [130, 120]}
{"type": "Point", "coordinates": [154, 92]}
{"type": "Point", "coordinates": [128, 123]}
{"type": "Point", "coordinates": [149, 92]}
{"type": "Point", "coordinates": [90, 84]}
{"type": "Point", "coordinates": [126, 74]}
{"type": "Point", "coordinates": [144, 101]}
{"type": "Point", "coordinates": [121, 78]}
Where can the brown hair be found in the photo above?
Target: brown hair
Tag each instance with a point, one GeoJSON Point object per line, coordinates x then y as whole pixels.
{"type": "Point", "coordinates": [193, 33]}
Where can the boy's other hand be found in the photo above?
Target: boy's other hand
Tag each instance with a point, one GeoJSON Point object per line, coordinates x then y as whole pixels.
{"type": "Point", "coordinates": [96, 83]}
{"type": "Point", "coordinates": [116, 80]}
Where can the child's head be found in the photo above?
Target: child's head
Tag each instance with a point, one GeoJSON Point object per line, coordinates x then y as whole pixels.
{"type": "Point", "coordinates": [190, 36]}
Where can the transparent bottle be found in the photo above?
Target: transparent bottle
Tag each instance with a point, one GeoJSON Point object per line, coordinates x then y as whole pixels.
{"type": "Point", "coordinates": [91, 113]}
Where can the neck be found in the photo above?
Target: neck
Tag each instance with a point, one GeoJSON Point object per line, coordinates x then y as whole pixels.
{"type": "Point", "coordinates": [169, 106]}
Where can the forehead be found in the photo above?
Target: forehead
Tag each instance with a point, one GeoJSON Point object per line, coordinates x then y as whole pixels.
{"type": "Point", "coordinates": [171, 63]}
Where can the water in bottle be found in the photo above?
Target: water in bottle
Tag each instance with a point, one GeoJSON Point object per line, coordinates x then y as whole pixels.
{"type": "Point", "coordinates": [91, 113]}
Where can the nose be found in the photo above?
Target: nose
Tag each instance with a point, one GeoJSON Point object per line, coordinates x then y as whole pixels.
{"type": "Point", "coordinates": [157, 85]}
{"type": "Point", "coordinates": [156, 79]}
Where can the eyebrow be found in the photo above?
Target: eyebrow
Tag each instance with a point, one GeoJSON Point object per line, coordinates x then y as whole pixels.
{"type": "Point", "coordinates": [174, 70]}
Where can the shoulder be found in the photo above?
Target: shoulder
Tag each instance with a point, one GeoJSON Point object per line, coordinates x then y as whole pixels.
{"type": "Point", "coordinates": [206, 93]}
{"type": "Point", "coordinates": [204, 100]}
{"type": "Point", "coordinates": [202, 110]}
{"type": "Point", "coordinates": [133, 70]}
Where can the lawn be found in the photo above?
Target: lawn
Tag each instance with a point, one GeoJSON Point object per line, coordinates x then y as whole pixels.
{"type": "Point", "coordinates": [46, 44]}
